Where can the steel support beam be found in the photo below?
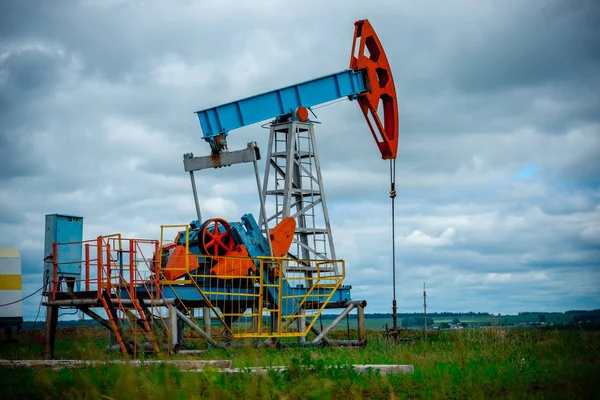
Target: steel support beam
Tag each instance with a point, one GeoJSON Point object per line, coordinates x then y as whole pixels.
{"type": "Point", "coordinates": [224, 159]}
{"type": "Point", "coordinates": [334, 323]}
{"type": "Point", "coordinates": [96, 302]}
{"type": "Point", "coordinates": [95, 317]}
{"type": "Point", "coordinates": [195, 327]}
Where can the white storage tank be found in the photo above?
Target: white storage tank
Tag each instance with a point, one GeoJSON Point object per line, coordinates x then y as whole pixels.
{"type": "Point", "coordinates": [10, 288]}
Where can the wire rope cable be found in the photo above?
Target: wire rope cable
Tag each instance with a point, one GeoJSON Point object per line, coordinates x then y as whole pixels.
{"type": "Point", "coordinates": [24, 298]}
{"type": "Point", "coordinates": [393, 197]}
{"type": "Point", "coordinates": [328, 104]}
{"type": "Point", "coordinates": [68, 313]}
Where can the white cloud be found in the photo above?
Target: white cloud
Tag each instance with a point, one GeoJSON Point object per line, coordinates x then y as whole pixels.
{"type": "Point", "coordinates": [526, 277]}
{"type": "Point", "coordinates": [497, 278]}
{"type": "Point", "coordinates": [172, 71]}
{"type": "Point", "coordinates": [420, 238]}
{"type": "Point", "coordinates": [591, 234]}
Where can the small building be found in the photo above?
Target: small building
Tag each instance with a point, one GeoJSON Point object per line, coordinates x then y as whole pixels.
{"type": "Point", "coordinates": [11, 312]}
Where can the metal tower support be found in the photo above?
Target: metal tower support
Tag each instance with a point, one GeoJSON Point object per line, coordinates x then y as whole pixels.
{"type": "Point", "coordinates": [293, 187]}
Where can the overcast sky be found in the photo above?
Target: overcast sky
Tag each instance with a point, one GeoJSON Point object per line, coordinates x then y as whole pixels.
{"type": "Point", "coordinates": [498, 205]}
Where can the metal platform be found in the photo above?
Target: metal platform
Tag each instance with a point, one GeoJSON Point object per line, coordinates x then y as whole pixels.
{"type": "Point", "coordinates": [123, 279]}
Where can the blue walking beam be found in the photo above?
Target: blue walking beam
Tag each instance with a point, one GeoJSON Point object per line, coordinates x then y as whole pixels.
{"type": "Point", "coordinates": [217, 121]}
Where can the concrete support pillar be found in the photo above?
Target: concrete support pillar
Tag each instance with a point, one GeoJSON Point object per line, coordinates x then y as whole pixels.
{"type": "Point", "coordinates": [173, 327]}
{"type": "Point", "coordinates": [301, 321]}
{"type": "Point", "coordinates": [362, 331]}
{"type": "Point", "coordinates": [255, 317]}
{"type": "Point", "coordinates": [180, 331]}
{"type": "Point", "coordinates": [112, 340]}
{"type": "Point", "coordinates": [206, 318]}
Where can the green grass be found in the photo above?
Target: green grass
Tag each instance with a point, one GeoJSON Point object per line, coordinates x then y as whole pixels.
{"type": "Point", "coordinates": [483, 363]}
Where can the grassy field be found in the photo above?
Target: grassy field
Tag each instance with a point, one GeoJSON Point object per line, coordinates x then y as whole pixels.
{"type": "Point", "coordinates": [483, 363]}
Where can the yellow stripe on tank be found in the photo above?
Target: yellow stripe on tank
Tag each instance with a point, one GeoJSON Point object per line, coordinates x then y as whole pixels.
{"type": "Point", "coordinates": [9, 252]}
{"type": "Point", "coordinates": [10, 282]}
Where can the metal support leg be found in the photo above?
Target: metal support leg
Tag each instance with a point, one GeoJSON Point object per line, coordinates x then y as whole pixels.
{"type": "Point", "coordinates": [196, 202]}
{"type": "Point", "coordinates": [51, 322]}
{"type": "Point", "coordinates": [206, 318]}
{"type": "Point", "coordinates": [173, 327]}
{"type": "Point", "coordinates": [263, 194]}
{"type": "Point", "coordinates": [362, 333]}
{"type": "Point", "coordinates": [301, 320]}
{"type": "Point", "coordinates": [180, 331]}
{"type": "Point", "coordinates": [262, 207]}
{"type": "Point", "coordinates": [255, 317]}
{"type": "Point", "coordinates": [274, 322]}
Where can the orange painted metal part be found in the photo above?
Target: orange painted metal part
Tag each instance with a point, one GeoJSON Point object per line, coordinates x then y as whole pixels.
{"type": "Point", "coordinates": [240, 262]}
{"type": "Point", "coordinates": [381, 95]}
{"type": "Point", "coordinates": [282, 236]}
{"type": "Point", "coordinates": [229, 268]}
{"type": "Point", "coordinates": [302, 114]}
{"type": "Point", "coordinates": [281, 240]}
{"type": "Point", "coordinates": [176, 266]}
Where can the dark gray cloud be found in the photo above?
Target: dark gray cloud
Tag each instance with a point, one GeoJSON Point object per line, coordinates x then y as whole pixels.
{"type": "Point", "coordinates": [499, 198]}
{"type": "Point", "coordinates": [545, 43]}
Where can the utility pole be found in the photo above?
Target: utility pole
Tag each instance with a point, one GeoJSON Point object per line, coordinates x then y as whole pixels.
{"type": "Point", "coordinates": [424, 308]}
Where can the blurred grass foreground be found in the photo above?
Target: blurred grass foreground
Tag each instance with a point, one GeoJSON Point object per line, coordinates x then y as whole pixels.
{"type": "Point", "coordinates": [483, 363]}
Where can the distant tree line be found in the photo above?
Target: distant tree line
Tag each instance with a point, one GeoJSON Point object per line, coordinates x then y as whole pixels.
{"type": "Point", "coordinates": [575, 315]}
{"type": "Point", "coordinates": [539, 312]}
{"type": "Point", "coordinates": [578, 312]}
{"type": "Point", "coordinates": [432, 314]}
{"type": "Point", "coordinates": [404, 319]}
{"type": "Point", "coordinates": [584, 312]}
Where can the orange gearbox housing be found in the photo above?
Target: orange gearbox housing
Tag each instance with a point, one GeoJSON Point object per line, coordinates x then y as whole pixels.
{"type": "Point", "coordinates": [176, 267]}
{"type": "Point", "coordinates": [240, 264]}
{"type": "Point", "coordinates": [381, 95]}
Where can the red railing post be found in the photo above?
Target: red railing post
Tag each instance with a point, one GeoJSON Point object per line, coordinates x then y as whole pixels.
{"type": "Point", "coordinates": [132, 266]}
{"type": "Point", "coordinates": [87, 267]}
{"type": "Point", "coordinates": [108, 271]}
{"type": "Point", "coordinates": [157, 268]}
{"type": "Point", "coordinates": [99, 264]}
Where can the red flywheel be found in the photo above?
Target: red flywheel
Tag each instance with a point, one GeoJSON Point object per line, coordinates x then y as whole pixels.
{"type": "Point", "coordinates": [380, 99]}
{"type": "Point", "coordinates": [215, 237]}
